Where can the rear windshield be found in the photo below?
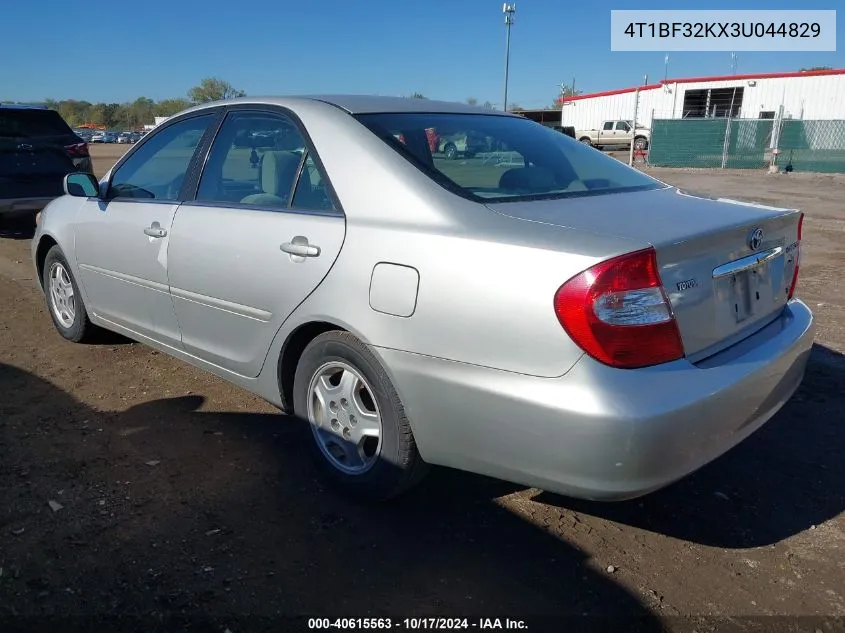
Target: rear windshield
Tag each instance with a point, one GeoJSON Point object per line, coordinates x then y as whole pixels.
{"type": "Point", "coordinates": [493, 158]}
{"type": "Point", "coordinates": [31, 123]}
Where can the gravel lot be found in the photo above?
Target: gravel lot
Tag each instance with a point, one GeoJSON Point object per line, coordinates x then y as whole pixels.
{"type": "Point", "coordinates": [132, 483]}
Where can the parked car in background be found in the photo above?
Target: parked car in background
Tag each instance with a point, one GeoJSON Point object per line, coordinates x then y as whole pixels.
{"type": "Point", "coordinates": [458, 145]}
{"type": "Point", "coordinates": [84, 134]}
{"type": "Point", "coordinates": [124, 137]}
{"type": "Point", "coordinates": [616, 132]}
{"type": "Point", "coordinates": [105, 137]}
{"type": "Point", "coordinates": [559, 320]}
{"type": "Point", "coordinates": [37, 149]}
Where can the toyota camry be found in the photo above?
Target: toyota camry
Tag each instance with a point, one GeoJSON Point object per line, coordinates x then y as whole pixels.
{"type": "Point", "coordinates": [534, 311]}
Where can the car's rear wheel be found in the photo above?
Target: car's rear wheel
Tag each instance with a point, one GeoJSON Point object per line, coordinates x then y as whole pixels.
{"type": "Point", "coordinates": [63, 299]}
{"type": "Point", "coordinates": [586, 140]}
{"type": "Point", "coordinates": [451, 151]}
{"type": "Point", "coordinates": [360, 436]}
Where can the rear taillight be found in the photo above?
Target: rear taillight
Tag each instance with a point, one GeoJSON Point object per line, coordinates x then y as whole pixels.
{"type": "Point", "coordinates": [617, 312]}
{"type": "Point", "coordinates": [77, 150]}
{"type": "Point", "coordinates": [797, 257]}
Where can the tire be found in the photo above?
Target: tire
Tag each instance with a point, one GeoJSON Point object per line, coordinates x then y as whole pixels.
{"type": "Point", "coordinates": [395, 464]}
{"type": "Point", "coordinates": [586, 141]}
{"type": "Point", "coordinates": [641, 143]}
{"type": "Point", "coordinates": [450, 151]}
{"type": "Point", "coordinates": [76, 327]}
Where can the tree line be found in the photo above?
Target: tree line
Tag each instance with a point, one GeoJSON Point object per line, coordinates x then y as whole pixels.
{"type": "Point", "coordinates": [143, 110]}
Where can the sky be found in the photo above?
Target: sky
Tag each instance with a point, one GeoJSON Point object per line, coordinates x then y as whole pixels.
{"type": "Point", "coordinates": [446, 49]}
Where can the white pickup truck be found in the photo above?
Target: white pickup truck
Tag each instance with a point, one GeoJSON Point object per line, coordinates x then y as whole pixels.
{"type": "Point", "coordinates": [616, 132]}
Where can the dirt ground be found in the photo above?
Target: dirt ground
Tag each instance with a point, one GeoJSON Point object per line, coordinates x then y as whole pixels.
{"type": "Point", "coordinates": [133, 484]}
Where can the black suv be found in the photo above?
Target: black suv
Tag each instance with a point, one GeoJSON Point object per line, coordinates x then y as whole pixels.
{"type": "Point", "coordinates": [37, 149]}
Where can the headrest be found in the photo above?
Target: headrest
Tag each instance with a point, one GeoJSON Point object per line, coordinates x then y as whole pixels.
{"type": "Point", "coordinates": [278, 169]}
{"type": "Point", "coordinates": [527, 179]}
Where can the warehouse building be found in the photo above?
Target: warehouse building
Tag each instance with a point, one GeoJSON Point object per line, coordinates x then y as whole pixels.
{"type": "Point", "coordinates": [816, 95]}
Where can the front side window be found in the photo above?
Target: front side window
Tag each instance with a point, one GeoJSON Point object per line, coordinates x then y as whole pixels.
{"type": "Point", "coordinates": [156, 170]}
{"type": "Point", "coordinates": [501, 158]}
{"type": "Point", "coordinates": [622, 126]}
{"type": "Point", "coordinates": [255, 160]}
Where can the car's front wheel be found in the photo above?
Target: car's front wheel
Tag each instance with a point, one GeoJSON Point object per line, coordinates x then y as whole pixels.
{"type": "Point", "coordinates": [63, 299]}
{"type": "Point", "coordinates": [360, 435]}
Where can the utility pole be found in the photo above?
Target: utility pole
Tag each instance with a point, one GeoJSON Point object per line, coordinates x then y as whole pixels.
{"type": "Point", "coordinates": [636, 107]}
{"type": "Point", "coordinates": [508, 10]}
{"type": "Point", "coordinates": [666, 67]}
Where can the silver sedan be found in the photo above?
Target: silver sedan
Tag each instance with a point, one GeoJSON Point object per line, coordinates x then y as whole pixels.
{"type": "Point", "coordinates": [537, 312]}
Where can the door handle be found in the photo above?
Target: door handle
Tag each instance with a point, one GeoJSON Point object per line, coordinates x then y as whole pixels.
{"type": "Point", "coordinates": [155, 230]}
{"type": "Point", "coordinates": [300, 247]}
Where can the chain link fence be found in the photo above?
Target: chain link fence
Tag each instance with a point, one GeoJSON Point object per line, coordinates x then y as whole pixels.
{"type": "Point", "coordinates": [687, 142]}
{"type": "Point", "coordinates": [748, 143]}
{"type": "Point", "coordinates": [813, 145]}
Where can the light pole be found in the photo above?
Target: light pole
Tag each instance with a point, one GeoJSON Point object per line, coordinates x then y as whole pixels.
{"type": "Point", "coordinates": [508, 10]}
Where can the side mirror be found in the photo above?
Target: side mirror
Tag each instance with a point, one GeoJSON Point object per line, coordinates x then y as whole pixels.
{"type": "Point", "coordinates": [81, 185]}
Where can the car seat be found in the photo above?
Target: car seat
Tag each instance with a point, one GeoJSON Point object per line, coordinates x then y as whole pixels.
{"type": "Point", "coordinates": [527, 180]}
{"type": "Point", "coordinates": [277, 169]}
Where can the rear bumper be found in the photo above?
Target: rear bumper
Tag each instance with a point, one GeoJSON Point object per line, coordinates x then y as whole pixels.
{"type": "Point", "coordinates": [22, 206]}
{"type": "Point", "coordinates": [598, 432]}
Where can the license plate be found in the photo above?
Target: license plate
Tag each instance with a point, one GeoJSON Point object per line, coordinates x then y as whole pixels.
{"type": "Point", "coordinates": [755, 290]}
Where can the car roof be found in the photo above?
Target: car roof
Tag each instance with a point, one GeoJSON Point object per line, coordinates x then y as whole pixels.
{"type": "Point", "coordinates": [367, 104]}
{"type": "Point", "coordinates": [21, 106]}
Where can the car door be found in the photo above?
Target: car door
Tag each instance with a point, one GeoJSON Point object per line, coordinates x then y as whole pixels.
{"type": "Point", "coordinates": [624, 134]}
{"type": "Point", "coordinates": [608, 135]}
{"type": "Point", "coordinates": [122, 238]}
{"type": "Point", "coordinates": [262, 233]}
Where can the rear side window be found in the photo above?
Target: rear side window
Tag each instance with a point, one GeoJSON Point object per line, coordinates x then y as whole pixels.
{"type": "Point", "coordinates": [254, 160]}
{"type": "Point", "coordinates": [31, 123]}
{"type": "Point", "coordinates": [495, 158]}
{"type": "Point", "coordinates": [260, 159]}
{"type": "Point", "coordinates": [311, 191]}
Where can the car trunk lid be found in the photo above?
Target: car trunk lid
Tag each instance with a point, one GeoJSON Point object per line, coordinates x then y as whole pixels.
{"type": "Point", "coordinates": [721, 284]}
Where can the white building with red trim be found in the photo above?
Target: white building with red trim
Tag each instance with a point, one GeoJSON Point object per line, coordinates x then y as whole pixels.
{"type": "Point", "coordinates": [816, 94]}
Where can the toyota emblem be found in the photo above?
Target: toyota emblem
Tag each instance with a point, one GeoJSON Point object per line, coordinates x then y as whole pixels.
{"type": "Point", "coordinates": [755, 240]}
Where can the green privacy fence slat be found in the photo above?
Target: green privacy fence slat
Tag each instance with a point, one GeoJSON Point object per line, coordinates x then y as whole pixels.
{"type": "Point", "coordinates": [687, 142]}
{"type": "Point", "coordinates": [749, 141]}
{"type": "Point", "coordinates": [813, 145]}
{"type": "Point", "coordinates": [806, 145]}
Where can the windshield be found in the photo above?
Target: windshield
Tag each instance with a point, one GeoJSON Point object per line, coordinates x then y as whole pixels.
{"type": "Point", "coordinates": [493, 158]}
{"type": "Point", "coordinates": [31, 123]}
